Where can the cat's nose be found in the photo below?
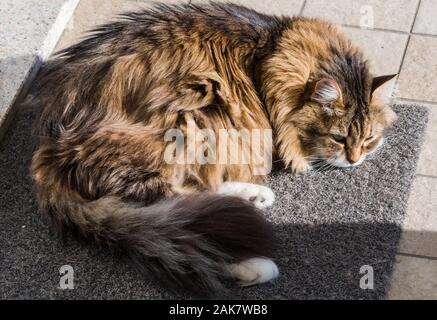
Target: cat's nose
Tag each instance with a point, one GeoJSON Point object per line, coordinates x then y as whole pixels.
{"type": "Point", "coordinates": [353, 157]}
{"type": "Point", "coordinates": [352, 161]}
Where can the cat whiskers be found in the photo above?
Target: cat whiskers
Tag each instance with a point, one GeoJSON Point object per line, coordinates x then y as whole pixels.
{"type": "Point", "coordinates": [326, 165]}
{"type": "Point", "coordinates": [318, 163]}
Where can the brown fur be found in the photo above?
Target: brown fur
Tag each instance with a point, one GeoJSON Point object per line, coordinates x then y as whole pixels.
{"type": "Point", "coordinates": [109, 100]}
{"type": "Point", "coordinates": [309, 52]}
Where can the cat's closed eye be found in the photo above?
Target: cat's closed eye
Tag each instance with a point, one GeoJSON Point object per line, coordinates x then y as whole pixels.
{"type": "Point", "coordinates": [338, 138]}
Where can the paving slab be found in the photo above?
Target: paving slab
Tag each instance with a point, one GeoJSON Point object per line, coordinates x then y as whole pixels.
{"type": "Point", "coordinates": [426, 21]}
{"type": "Point", "coordinates": [417, 77]}
{"type": "Point", "coordinates": [419, 231]}
{"type": "Point", "coordinates": [29, 32]}
{"type": "Point", "coordinates": [390, 14]}
{"type": "Point", "coordinates": [384, 49]}
{"type": "Point", "coordinates": [413, 278]}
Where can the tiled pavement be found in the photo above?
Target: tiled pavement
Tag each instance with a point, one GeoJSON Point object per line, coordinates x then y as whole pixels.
{"type": "Point", "coordinates": [403, 41]}
{"type": "Point", "coordinates": [29, 31]}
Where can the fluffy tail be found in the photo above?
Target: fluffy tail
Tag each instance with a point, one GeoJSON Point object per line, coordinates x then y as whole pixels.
{"type": "Point", "coordinates": [186, 243]}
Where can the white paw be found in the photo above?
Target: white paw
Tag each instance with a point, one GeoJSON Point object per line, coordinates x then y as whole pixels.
{"type": "Point", "coordinates": [299, 165]}
{"type": "Point", "coordinates": [254, 271]}
{"type": "Point", "coordinates": [262, 197]}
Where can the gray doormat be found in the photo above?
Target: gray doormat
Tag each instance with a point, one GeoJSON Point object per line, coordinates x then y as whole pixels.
{"type": "Point", "coordinates": [328, 225]}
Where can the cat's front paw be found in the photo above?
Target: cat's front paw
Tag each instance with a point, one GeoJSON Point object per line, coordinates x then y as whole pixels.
{"type": "Point", "coordinates": [299, 165]}
{"type": "Point", "coordinates": [261, 196]}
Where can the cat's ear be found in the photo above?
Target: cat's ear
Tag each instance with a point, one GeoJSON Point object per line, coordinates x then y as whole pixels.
{"type": "Point", "coordinates": [383, 88]}
{"type": "Point", "coordinates": [326, 91]}
{"type": "Point", "coordinates": [381, 80]}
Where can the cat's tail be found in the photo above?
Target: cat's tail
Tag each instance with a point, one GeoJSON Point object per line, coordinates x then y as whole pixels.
{"type": "Point", "coordinates": [186, 243]}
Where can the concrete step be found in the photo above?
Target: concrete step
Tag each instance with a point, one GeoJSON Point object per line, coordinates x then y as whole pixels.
{"type": "Point", "coordinates": [29, 31]}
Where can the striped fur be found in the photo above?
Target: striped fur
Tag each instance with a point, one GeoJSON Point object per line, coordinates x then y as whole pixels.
{"type": "Point", "coordinates": [108, 101]}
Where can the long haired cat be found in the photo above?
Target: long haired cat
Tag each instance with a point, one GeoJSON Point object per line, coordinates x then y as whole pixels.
{"type": "Point", "coordinates": [109, 100]}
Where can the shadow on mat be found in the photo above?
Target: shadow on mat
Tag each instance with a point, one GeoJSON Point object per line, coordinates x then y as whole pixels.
{"type": "Point", "coordinates": [315, 261]}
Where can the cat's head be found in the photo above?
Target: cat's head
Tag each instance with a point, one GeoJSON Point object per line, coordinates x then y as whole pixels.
{"type": "Point", "coordinates": [341, 127]}
{"type": "Point", "coordinates": [322, 99]}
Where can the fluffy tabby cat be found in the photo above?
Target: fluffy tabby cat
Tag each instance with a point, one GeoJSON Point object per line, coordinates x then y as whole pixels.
{"type": "Point", "coordinates": [108, 101]}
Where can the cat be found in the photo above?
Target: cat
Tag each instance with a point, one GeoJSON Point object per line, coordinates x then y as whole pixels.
{"type": "Point", "coordinates": [107, 102]}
